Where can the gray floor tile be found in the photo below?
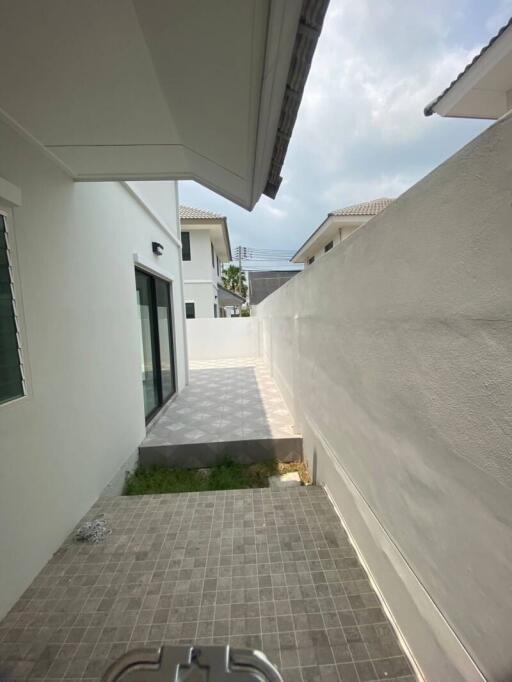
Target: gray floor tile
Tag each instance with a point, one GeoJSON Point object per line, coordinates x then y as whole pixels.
{"type": "Point", "coordinates": [272, 570]}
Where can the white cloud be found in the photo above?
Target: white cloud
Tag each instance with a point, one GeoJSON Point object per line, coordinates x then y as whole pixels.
{"type": "Point", "coordinates": [382, 186]}
{"type": "Point", "coordinates": [361, 132]}
{"type": "Point", "coordinates": [266, 206]}
{"type": "Point", "coordinates": [499, 17]}
{"type": "Point", "coordinates": [359, 92]}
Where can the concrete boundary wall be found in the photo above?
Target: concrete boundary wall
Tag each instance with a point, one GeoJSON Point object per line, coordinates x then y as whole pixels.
{"type": "Point", "coordinates": [394, 354]}
{"type": "Point", "coordinates": [221, 338]}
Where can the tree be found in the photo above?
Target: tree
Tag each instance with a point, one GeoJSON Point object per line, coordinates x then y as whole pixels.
{"type": "Point", "coordinates": [234, 280]}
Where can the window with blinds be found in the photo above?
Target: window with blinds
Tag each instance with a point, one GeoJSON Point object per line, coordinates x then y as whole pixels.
{"type": "Point", "coordinates": [11, 372]}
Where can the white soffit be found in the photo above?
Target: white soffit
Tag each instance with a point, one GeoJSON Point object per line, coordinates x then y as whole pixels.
{"type": "Point", "coordinates": [484, 88]}
{"type": "Point", "coordinates": [220, 239]}
{"type": "Point", "coordinates": [150, 89]}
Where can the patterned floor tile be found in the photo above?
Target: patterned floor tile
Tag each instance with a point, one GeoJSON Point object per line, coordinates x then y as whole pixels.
{"type": "Point", "coordinates": [225, 400]}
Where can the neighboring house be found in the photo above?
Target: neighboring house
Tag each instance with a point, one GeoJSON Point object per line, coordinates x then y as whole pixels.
{"type": "Point", "coordinates": [205, 248]}
{"type": "Point", "coordinates": [264, 282]}
{"type": "Point", "coordinates": [230, 302]}
{"type": "Point", "coordinates": [484, 88]}
{"type": "Point", "coordinates": [92, 343]}
{"type": "Point", "coordinates": [338, 225]}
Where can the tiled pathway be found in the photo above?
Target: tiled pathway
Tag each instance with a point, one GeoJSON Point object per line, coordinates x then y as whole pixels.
{"type": "Point", "coordinates": [225, 400]}
{"type": "Point", "coordinates": [271, 570]}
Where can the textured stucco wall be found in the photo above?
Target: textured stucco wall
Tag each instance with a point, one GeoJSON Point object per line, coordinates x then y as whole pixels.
{"type": "Point", "coordinates": [83, 416]}
{"type": "Point", "coordinates": [222, 338]}
{"type": "Point", "coordinates": [396, 357]}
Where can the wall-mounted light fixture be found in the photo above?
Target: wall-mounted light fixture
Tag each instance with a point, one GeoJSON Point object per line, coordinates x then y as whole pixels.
{"type": "Point", "coordinates": [158, 249]}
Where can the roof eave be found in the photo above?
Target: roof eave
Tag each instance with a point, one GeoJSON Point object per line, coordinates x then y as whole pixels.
{"type": "Point", "coordinates": [226, 239]}
{"type": "Point", "coordinates": [300, 254]}
{"type": "Point", "coordinates": [339, 220]}
{"type": "Point", "coordinates": [231, 293]}
{"type": "Point", "coordinates": [308, 31]}
{"type": "Point", "coordinates": [443, 104]}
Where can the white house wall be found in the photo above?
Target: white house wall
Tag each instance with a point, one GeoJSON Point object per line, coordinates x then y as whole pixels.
{"type": "Point", "coordinates": [84, 416]}
{"type": "Point", "coordinates": [160, 198]}
{"type": "Point", "coordinates": [199, 267]}
{"type": "Point", "coordinates": [203, 296]}
{"type": "Point", "coordinates": [396, 358]}
{"type": "Point", "coordinates": [199, 276]}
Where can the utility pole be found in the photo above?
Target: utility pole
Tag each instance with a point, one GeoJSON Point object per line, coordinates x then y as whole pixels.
{"type": "Point", "coordinates": [240, 270]}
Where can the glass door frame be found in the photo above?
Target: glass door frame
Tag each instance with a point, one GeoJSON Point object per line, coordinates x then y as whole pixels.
{"type": "Point", "coordinates": [155, 340]}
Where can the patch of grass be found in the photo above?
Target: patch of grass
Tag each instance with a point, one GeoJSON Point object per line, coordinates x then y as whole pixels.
{"type": "Point", "coordinates": [228, 475]}
{"type": "Point", "coordinates": [159, 480]}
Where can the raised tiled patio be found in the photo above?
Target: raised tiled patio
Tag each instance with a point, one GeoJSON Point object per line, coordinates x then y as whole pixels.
{"type": "Point", "coordinates": [230, 407]}
{"type": "Point", "coordinates": [271, 570]}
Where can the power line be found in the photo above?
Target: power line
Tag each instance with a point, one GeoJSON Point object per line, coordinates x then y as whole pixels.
{"type": "Point", "coordinates": [254, 259]}
{"type": "Point", "coordinates": [271, 256]}
{"type": "Point", "coordinates": [258, 248]}
{"type": "Point", "coordinates": [290, 267]}
{"type": "Point", "coordinates": [248, 252]}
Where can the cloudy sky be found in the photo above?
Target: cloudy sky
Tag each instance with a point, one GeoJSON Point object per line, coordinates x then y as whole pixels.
{"type": "Point", "coordinates": [361, 132]}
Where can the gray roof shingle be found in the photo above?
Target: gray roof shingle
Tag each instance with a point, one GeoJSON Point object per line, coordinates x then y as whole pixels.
{"type": "Point", "coordinates": [308, 32]}
{"type": "Point", "coordinates": [366, 208]}
{"type": "Point", "coordinates": [189, 213]}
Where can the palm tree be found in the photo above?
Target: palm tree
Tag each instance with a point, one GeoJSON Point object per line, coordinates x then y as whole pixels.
{"type": "Point", "coordinates": [234, 280]}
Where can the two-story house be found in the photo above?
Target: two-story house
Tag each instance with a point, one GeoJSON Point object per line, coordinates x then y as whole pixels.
{"type": "Point", "coordinates": [337, 226]}
{"type": "Point", "coordinates": [204, 247]}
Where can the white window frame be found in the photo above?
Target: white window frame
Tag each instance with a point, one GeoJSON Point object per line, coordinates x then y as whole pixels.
{"type": "Point", "coordinates": [17, 305]}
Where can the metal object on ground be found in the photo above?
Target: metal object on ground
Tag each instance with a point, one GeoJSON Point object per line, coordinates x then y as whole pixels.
{"type": "Point", "coordinates": [192, 664]}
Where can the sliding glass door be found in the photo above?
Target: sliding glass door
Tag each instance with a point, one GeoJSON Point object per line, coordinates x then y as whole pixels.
{"type": "Point", "coordinates": [163, 311]}
{"type": "Point", "coordinates": [157, 352]}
